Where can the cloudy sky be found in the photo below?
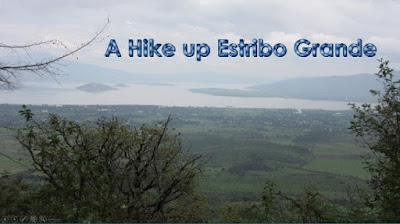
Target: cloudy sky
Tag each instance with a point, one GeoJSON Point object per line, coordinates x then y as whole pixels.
{"type": "Point", "coordinates": [198, 21]}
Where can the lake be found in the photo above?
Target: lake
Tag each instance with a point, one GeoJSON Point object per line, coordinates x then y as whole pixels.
{"type": "Point", "coordinates": [153, 94]}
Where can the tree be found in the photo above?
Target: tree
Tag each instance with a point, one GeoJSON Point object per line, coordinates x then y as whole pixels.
{"type": "Point", "coordinates": [14, 197]}
{"type": "Point", "coordinates": [310, 205]}
{"type": "Point", "coordinates": [378, 127]}
{"type": "Point", "coordinates": [112, 172]}
{"type": "Point", "coordinates": [269, 200]}
{"type": "Point", "coordinates": [11, 71]}
{"type": "Point", "coordinates": [240, 212]}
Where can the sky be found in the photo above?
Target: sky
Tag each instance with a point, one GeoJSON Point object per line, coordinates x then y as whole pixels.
{"type": "Point", "coordinates": [206, 21]}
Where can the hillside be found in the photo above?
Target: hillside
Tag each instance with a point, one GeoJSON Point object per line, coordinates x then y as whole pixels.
{"type": "Point", "coordinates": [78, 72]}
{"type": "Point", "coordinates": [341, 88]}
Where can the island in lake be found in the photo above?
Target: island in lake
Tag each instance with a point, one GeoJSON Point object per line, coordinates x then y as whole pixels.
{"type": "Point", "coordinates": [95, 88]}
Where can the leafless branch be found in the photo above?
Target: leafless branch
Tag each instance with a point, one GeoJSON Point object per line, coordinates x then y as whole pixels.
{"type": "Point", "coordinates": [10, 73]}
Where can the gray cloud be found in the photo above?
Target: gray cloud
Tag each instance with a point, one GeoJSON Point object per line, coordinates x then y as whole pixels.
{"type": "Point", "coordinates": [179, 21]}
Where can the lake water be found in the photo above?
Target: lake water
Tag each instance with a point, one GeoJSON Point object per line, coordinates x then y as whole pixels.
{"type": "Point", "coordinates": [143, 94]}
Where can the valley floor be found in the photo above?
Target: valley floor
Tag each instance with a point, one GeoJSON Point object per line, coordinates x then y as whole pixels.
{"type": "Point", "coordinates": [244, 147]}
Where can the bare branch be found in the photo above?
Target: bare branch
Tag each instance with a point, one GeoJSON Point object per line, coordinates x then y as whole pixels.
{"type": "Point", "coordinates": [10, 73]}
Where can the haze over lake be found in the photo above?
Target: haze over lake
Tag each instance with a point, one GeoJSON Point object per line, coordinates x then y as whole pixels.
{"type": "Point", "coordinates": [177, 94]}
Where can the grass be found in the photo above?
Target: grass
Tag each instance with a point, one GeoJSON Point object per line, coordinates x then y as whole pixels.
{"type": "Point", "coordinates": [339, 166]}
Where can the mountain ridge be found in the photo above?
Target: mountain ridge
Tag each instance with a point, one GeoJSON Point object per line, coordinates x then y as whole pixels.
{"type": "Point", "coordinates": [340, 88]}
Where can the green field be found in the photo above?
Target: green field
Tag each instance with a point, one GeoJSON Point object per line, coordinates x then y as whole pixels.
{"type": "Point", "coordinates": [243, 147]}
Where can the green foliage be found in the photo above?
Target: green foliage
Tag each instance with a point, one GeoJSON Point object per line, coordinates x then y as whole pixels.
{"type": "Point", "coordinates": [308, 206]}
{"type": "Point", "coordinates": [27, 113]}
{"type": "Point", "coordinates": [378, 126]}
{"type": "Point", "coordinates": [240, 212]}
{"type": "Point", "coordinates": [269, 200]}
{"type": "Point", "coordinates": [311, 206]}
{"type": "Point", "coordinates": [293, 148]}
{"type": "Point", "coordinates": [245, 146]}
{"type": "Point", "coordinates": [112, 172]}
{"type": "Point", "coordinates": [14, 197]}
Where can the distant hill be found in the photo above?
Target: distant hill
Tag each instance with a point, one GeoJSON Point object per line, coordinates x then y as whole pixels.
{"type": "Point", "coordinates": [346, 88]}
{"type": "Point", "coordinates": [95, 88]}
{"type": "Point", "coordinates": [120, 85]}
{"type": "Point", "coordinates": [353, 88]}
{"type": "Point", "coordinates": [79, 72]}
